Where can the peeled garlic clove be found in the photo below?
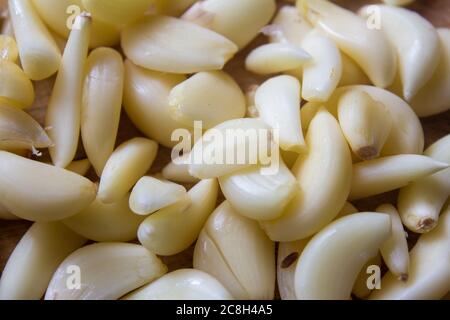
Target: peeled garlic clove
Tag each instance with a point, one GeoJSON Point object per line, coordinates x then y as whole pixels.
{"type": "Point", "coordinates": [368, 47]}
{"type": "Point", "coordinates": [55, 14]}
{"type": "Point", "coordinates": [178, 170]}
{"type": "Point", "coordinates": [352, 74]}
{"type": "Point", "coordinates": [128, 163]}
{"type": "Point", "coordinates": [360, 288]}
{"type": "Point", "coordinates": [20, 130]}
{"type": "Point", "coordinates": [8, 48]}
{"type": "Point", "coordinates": [398, 2]}
{"type": "Point", "coordinates": [211, 97]}
{"type": "Point", "coordinates": [146, 95]}
{"type": "Point", "coordinates": [51, 193]}
{"type": "Point", "coordinates": [101, 105]}
{"type": "Point", "coordinates": [365, 122]}
{"type": "Point", "coordinates": [150, 195]}
{"type": "Point", "coordinates": [429, 272]}
{"type": "Point", "coordinates": [117, 12]}
{"type": "Point", "coordinates": [39, 55]}
{"type": "Point", "coordinates": [275, 58]}
{"type": "Point", "coordinates": [80, 167]}
{"type": "Point", "coordinates": [357, 238]}
{"type": "Point", "coordinates": [421, 202]}
{"type": "Point", "coordinates": [259, 196]}
{"type": "Point", "coordinates": [64, 108]}
{"type": "Point", "coordinates": [173, 7]}
{"type": "Point", "coordinates": [317, 204]}
{"type": "Point", "coordinates": [106, 222]}
{"type": "Point", "coordinates": [389, 173]}
{"type": "Point", "coordinates": [239, 21]}
{"type": "Point", "coordinates": [321, 75]}
{"type": "Point", "coordinates": [173, 229]}
{"type": "Point", "coordinates": [37, 255]}
{"type": "Point", "coordinates": [183, 284]}
{"type": "Point", "coordinates": [107, 271]}
{"type": "Point", "coordinates": [278, 103]}
{"type": "Point", "coordinates": [415, 41]}
{"type": "Point", "coordinates": [248, 273]}
{"type": "Point", "coordinates": [203, 50]}
{"type": "Point", "coordinates": [6, 215]}
{"type": "Point", "coordinates": [288, 26]}
{"type": "Point", "coordinates": [229, 147]}
{"type": "Point", "coordinates": [15, 87]}
{"type": "Point", "coordinates": [395, 249]}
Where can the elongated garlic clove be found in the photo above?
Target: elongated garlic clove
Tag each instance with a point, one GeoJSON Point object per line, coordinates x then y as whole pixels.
{"type": "Point", "coordinates": [203, 50]}
{"type": "Point", "coordinates": [150, 194]}
{"type": "Point", "coordinates": [429, 272]}
{"type": "Point", "coordinates": [51, 193]}
{"type": "Point", "coordinates": [101, 105]}
{"type": "Point", "coordinates": [259, 196]}
{"type": "Point", "coordinates": [39, 55]}
{"type": "Point", "coordinates": [361, 289]}
{"type": "Point", "coordinates": [15, 87]}
{"type": "Point", "coordinates": [37, 255]}
{"type": "Point", "coordinates": [415, 41]}
{"type": "Point", "coordinates": [352, 74]}
{"type": "Point", "coordinates": [248, 273]}
{"type": "Point", "coordinates": [366, 123]}
{"type": "Point", "coordinates": [56, 13]}
{"type": "Point", "coordinates": [317, 204]}
{"type": "Point", "coordinates": [421, 202]}
{"type": "Point", "coordinates": [389, 173]}
{"type": "Point", "coordinates": [278, 103]}
{"type": "Point", "coordinates": [239, 21]}
{"type": "Point", "coordinates": [20, 130]}
{"type": "Point", "coordinates": [276, 57]}
{"type": "Point", "coordinates": [107, 271]}
{"type": "Point", "coordinates": [357, 238]}
{"type": "Point", "coordinates": [128, 163]}
{"type": "Point", "coordinates": [8, 48]}
{"type": "Point", "coordinates": [173, 7]}
{"type": "Point", "coordinates": [117, 12]}
{"type": "Point", "coordinates": [173, 229]}
{"type": "Point", "coordinates": [229, 147]}
{"type": "Point", "coordinates": [288, 26]}
{"type": "Point", "coordinates": [368, 47]}
{"type": "Point", "coordinates": [321, 75]}
{"type": "Point", "coordinates": [183, 284]}
{"type": "Point", "coordinates": [178, 171]}
{"type": "Point", "coordinates": [64, 108]}
{"type": "Point", "coordinates": [146, 95]}
{"type": "Point", "coordinates": [106, 222]}
{"type": "Point", "coordinates": [211, 97]}
{"type": "Point", "coordinates": [395, 249]}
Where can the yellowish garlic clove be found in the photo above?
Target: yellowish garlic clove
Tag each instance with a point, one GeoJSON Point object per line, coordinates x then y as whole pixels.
{"type": "Point", "coordinates": [173, 7]}
{"type": "Point", "coordinates": [178, 170]}
{"type": "Point", "coordinates": [352, 74]}
{"type": "Point", "coordinates": [360, 289]}
{"type": "Point", "coordinates": [6, 215]}
{"type": "Point", "coordinates": [15, 87]}
{"type": "Point", "coordinates": [8, 48]}
{"type": "Point", "coordinates": [80, 167]}
{"type": "Point", "coordinates": [398, 2]}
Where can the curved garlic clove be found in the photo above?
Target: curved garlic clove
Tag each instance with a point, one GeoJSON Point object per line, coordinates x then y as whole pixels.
{"type": "Point", "coordinates": [317, 204]}
{"type": "Point", "coordinates": [211, 97]}
{"type": "Point", "coordinates": [368, 47]}
{"type": "Point", "coordinates": [39, 55]}
{"type": "Point", "coordinates": [127, 164]}
{"type": "Point", "coordinates": [178, 171]}
{"type": "Point", "coordinates": [183, 284]}
{"type": "Point", "coordinates": [146, 102]}
{"type": "Point", "coordinates": [20, 130]}
{"type": "Point", "coordinates": [421, 202]}
{"type": "Point", "coordinates": [357, 238]}
{"type": "Point", "coordinates": [389, 173]}
{"type": "Point", "coordinates": [37, 255]}
{"type": "Point", "coordinates": [64, 108]}
{"type": "Point", "coordinates": [107, 271]}
{"type": "Point", "coordinates": [415, 41]}
{"type": "Point", "coordinates": [239, 21]}
{"type": "Point", "coordinates": [8, 48]}
{"type": "Point", "coordinates": [288, 26]}
{"type": "Point", "coordinates": [352, 74]}
{"type": "Point", "coordinates": [106, 222]}
{"type": "Point", "coordinates": [276, 57]}
{"type": "Point", "coordinates": [173, 7]}
{"type": "Point", "coordinates": [429, 272]}
{"type": "Point", "coordinates": [203, 50]}
{"type": "Point", "coordinates": [15, 87]}
{"type": "Point", "coordinates": [101, 105]}
{"type": "Point", "coordinates": [278, 103]}
{"type": "Point", "coordinates": [150, 194]}
{"type": "Point", "coordinates": [360, 289]}
{"type": "Point", "coordinates": [173, 229]}
{"type": "Point", "coordinates": [322, 74]}
{"type": "Point", "coordinates": [366, 123]}
{"type": "Point", "coordinates": [395, 249]}
{"type": "Point", "coordinates": [259, 196]}
{"type": "Point", "coordinates": [51, 193]}
{"type": "Point", "coordinates": [117, 12]}
{"type": "Point", "coordinates": [248, 273]}
{"type": "Point", "coordinates": [80, 167]}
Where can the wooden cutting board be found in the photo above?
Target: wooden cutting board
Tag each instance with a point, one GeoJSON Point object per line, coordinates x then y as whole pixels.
{"type": "Point", "coordinates": [436, 11]}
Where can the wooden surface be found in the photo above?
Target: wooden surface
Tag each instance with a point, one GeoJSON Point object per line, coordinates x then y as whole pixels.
{"type": "Point", "coordinates": [437, 11]}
